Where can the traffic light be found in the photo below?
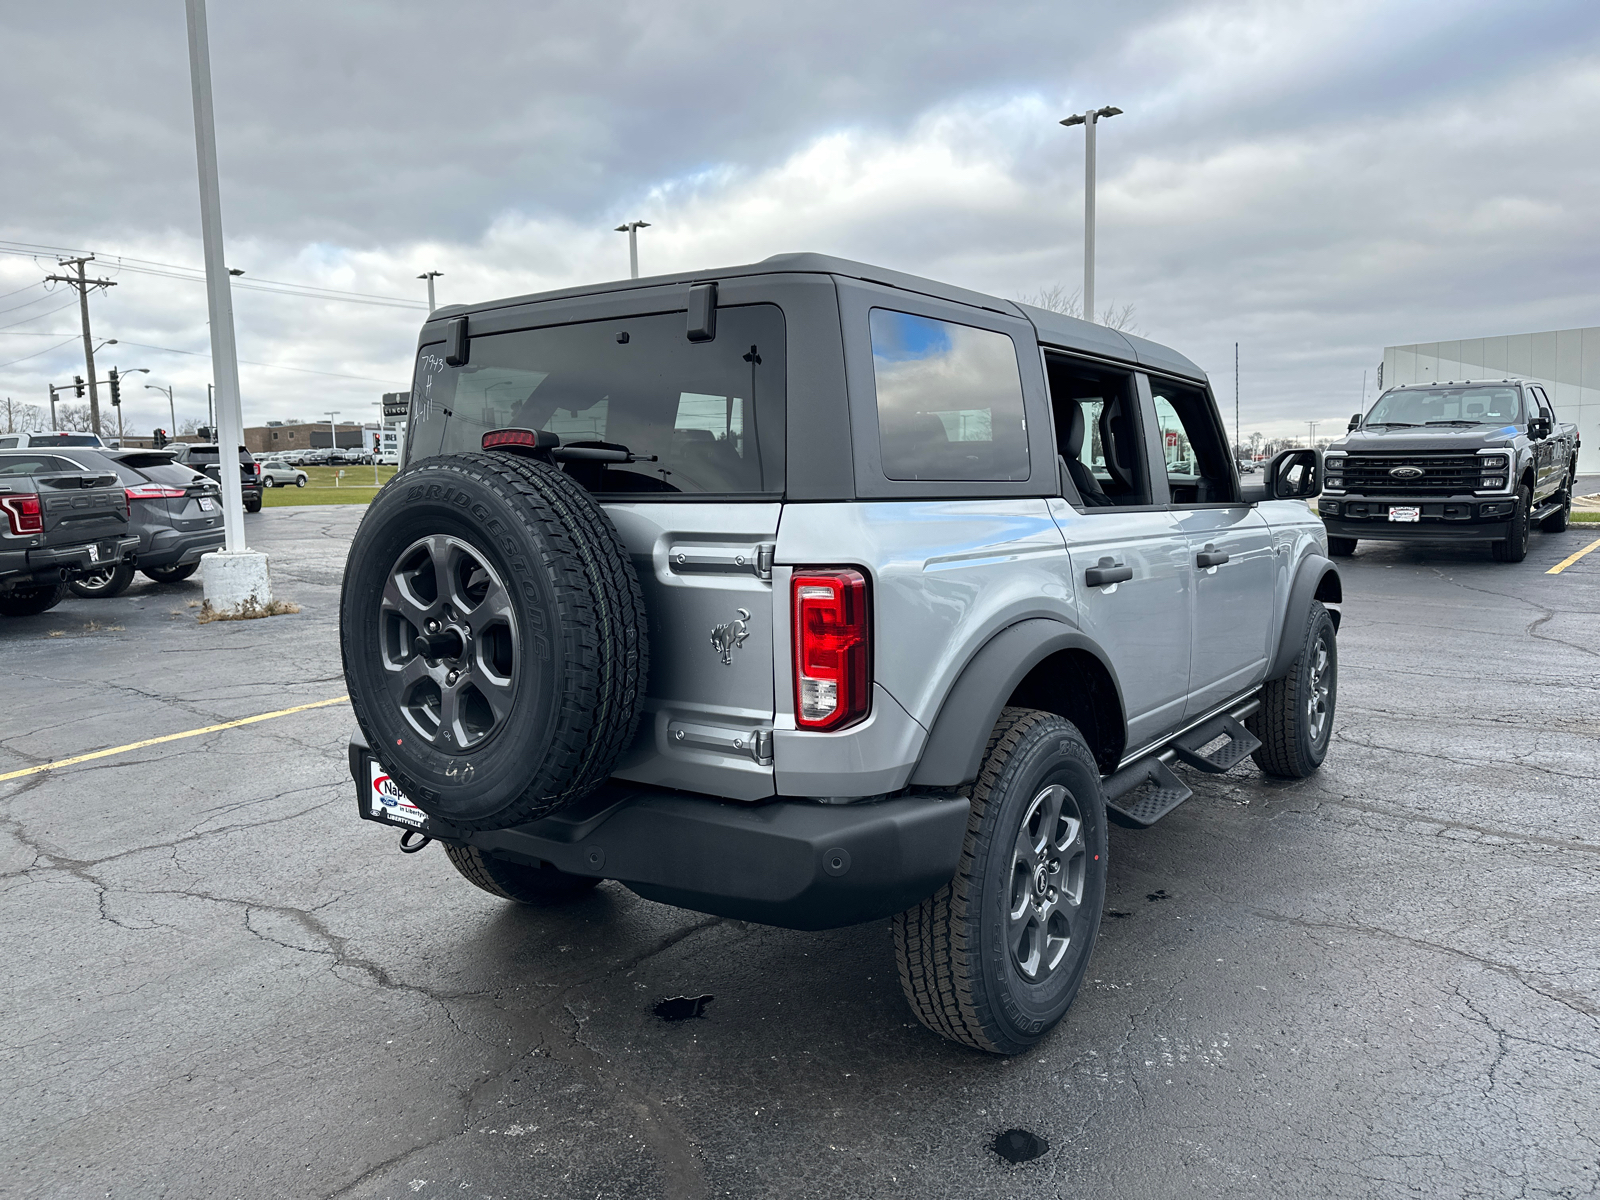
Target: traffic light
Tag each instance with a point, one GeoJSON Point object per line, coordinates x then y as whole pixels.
{"type": "Point", "coordinates": [77, 386]}
{"type": "Point", "coordinates": [160, 438]}
{"type": "Point", "coordinates": [116, 387]}
{"type": "Point", "coordinates": [377, 442]}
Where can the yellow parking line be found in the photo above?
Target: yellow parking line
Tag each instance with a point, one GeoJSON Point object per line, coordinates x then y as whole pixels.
{"type": "Point", "coordinates": [1570, 559]}
{"type": "Point", "coordinates": [173, 737]}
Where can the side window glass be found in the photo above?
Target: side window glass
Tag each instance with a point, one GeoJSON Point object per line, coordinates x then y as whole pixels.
{"type": "Point", "coordinates": [1544, 404]}
{"type": "Point", "coordinates": [949, 400]}
{"type": "Point", "coordinates": [1097, 433]}
{"type": "Point", "coordinates": [1192, 447]}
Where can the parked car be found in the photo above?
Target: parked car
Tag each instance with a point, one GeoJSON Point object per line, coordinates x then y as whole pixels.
{"type": "Point", "coordinates": [175, 511]}
{"type": "Point", "coordinates": [205, 456]}
{"type": "Point", "coordinates": [811, 593]}
{"type": "Point", "coordinates": [278, 473]}
{"type": "Point", "coordinates": [1475, 461]}
{"type": "Point", "coordinates": [55, 438]}
{"type": "Point", "coordinates": [62, 517]}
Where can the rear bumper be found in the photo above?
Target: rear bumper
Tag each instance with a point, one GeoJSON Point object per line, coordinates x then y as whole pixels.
{"type": "Point", "coordinates": [791, 863]}
{"type": "Point", "coordinates": [52, 563]}
{"type": "Point", "coordinates": [1443, 518]}
{"type": "Point", "coordinates": [180, 549]}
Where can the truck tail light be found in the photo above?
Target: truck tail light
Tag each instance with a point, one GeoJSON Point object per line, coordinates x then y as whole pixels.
{"type": "Point", "coordinates": [24, 512]}
{"type": "Point", "coordinates": [832, 647]}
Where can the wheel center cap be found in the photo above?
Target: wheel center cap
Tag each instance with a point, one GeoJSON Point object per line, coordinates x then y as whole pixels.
{"type": "Point", "coordinates": [1041, 879]}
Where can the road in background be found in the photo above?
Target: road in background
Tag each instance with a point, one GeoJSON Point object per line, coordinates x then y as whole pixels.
{"type": "Point", "coordinates": [1383, 980]}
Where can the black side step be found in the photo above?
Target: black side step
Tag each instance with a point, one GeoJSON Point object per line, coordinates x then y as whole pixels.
{"type": "Point", "coordinates": [1241, 744]}
{"type": "Point", "coordinates": [1143, 793]}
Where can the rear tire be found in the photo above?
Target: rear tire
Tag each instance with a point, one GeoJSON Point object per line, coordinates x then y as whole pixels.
{"type": "Point", "coordinates": [1515, 548]}
{"type": "Point", "coordinates": [30, 602]}
{"type": "Point", "coordinates": [266, 481]}
{"type": "Point", "coordinates": [299, 481]}
{"type": "Point", "coordinates": [1556, 522]}
{"type": "Point", "coordinates": [170, 574]}
{"type": "Point", "coordinates": [514, 881]}
{"type": "Point", "coordinates": [110, 580]}
{"type": "Point", "coordinates": [494, 638]}
{"type": "Point", "coordinates": [994, 958]}
{"type": "Point", "coordinates": [1341, 547]}
{"type": "Point", "coordinates": [1295, 720]}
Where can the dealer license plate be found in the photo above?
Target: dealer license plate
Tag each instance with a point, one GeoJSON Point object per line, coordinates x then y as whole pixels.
{"type": "Point", "coordinates": [94, 553]}
{"type": "Point", "coordinates": [388, 803]}
{"type": "Point", "coordinates": [206, 504]}
{"type": "Point", "coordinates": [1405, 513]}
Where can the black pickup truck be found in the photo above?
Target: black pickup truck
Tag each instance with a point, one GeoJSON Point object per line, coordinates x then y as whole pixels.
{"type": "Point", "coordinates": [59, 519]}
{"type": "Point", "coordinates": [1475, 461]}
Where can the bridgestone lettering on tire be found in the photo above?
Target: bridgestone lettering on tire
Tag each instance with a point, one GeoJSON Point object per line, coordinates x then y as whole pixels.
{"type": "Point", "coordinates": [994, 958]}
{"type": "Point", "coordinates": [494, 639]}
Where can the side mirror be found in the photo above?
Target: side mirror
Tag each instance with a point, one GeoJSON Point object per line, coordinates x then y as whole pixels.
{"type": "Point", "coordinates": [1355, 422]}
{"type": "Point", "coordinates": [1291, 475]}
{"type": "Point", "coordinates": [1538, 428]}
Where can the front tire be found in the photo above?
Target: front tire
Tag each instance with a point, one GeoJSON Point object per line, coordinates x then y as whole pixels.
{"type": "Point", "coordinates": [1341, 547]}
{"type": "Point", "coordinates": [1295, 720]}
{"type": "Point", "coordinates": [994, 959]}
{"type": "Point", "coordinates": [107, 581]}
{"type": "Point", "coordinates": [30, 602]}
{"type": "Point", "coordinates": [1515, 548]}
{"type": "Point", "coordinates": [539, 885]}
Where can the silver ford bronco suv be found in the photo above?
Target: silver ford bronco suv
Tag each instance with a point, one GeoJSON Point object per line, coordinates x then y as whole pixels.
{"type": "Point", "coordinates": [810, 593]}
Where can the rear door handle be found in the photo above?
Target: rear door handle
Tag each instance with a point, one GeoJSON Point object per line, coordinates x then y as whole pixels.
{"type": "Point", "coordinates": [1210, 557]}
{"type": "Point", "coordinates": [1106, 572]}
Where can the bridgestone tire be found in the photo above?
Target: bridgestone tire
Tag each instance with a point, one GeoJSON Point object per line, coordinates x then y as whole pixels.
{"type": "Point", "coordinates": [30, 602]}
{"type": "Point", "coordinates": [1341, 547]}
{"type": "Point", "coordinates": [171, 574]}
{"type": "Point", "coordinates": [513, 881]}
{"type": "Point", "coordinates": [1515, 548]}
{"type": "Point", "coordinates": [958, 960]}
{"type": "Point", "coordinates": [1293, 743]}
{"type": "Point", "coordinates": [551, 629]}
{"type": "Point", "coordinates": [102, 584]}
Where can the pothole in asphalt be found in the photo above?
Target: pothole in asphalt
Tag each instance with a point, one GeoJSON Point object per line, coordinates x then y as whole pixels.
{"type": "Point", "coordinates": [682, 1008]}
{"type": "Point", "coordinates": [1019, 1146]}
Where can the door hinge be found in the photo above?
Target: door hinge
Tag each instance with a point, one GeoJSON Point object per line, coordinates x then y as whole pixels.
{"type": "Point", "coordinates": [764, 556]}
{"type": "Point", "coordinates": [761, 744]}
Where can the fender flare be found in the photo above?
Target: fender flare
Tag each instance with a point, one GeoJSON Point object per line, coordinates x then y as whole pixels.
{"type": "Point", "coordinates": [1309, 579]}
{"type": "Point", "coordinates": [958, 737]}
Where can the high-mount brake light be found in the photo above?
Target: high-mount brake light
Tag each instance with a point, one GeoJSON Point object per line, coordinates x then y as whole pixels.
{"type": "Point", "coordinates": [832, 647]}
{"type": "Point", "coordinates": [24, 512]}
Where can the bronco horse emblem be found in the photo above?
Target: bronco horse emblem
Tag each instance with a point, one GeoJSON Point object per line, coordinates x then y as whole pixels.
{"type": "Point", "coordinates": [728, 638]}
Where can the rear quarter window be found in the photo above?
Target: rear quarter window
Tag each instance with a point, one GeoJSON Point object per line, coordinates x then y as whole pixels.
{"type": "Point", "coordinates": [949, 400]}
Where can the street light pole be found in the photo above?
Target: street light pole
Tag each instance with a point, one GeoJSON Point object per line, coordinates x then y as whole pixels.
{"type": "Point", "coordinates": [171, 412]}
{"type": "Point", "coordinates": [1089, 120]}
{"type": "Point", "coordinates": [1312, 440]}
{"type": "Point", "coordinates": [333, 430]}
{"type": "Point", "coordinates": [430, 276]}
{"type": "Point", "coordinates": [632, 230]}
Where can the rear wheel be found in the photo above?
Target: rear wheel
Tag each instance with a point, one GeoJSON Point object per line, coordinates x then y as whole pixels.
{"type": "Point", "coordinates": [514, 881]}
{"type": "Point", "coordinates": [110, 580]}
{"type": "Point", "coordinates": [1295, 720]}
{"type": "Point", "coordinates": [994, 958]}
{"type": "Point", "coordinates": [253, 506]}
{"type": "Point", "coordinates": [31, 601]}
{"type": "Point", "coordinates": [171, 574]}
{"type": "Point", "coordinates": [1556, 522]}
{"type": "Point", "coordinates": [1341, 547]}
{"type": "Point", "coordinates": [1515, 548]}
{"type": "Point", "coordinates": [299, 481]}
{"type": "Point", "coordinates": [267, 481]}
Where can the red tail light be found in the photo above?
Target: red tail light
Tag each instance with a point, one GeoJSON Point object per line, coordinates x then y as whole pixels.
{"type": "Point", "coordinates": [154, 491]}
{"type": "Point", "coordinates": [257, 467]}
{"type": "Point", "coordinates": [832, 648]}
{"type": "Point", "coordinates": [24, 512]}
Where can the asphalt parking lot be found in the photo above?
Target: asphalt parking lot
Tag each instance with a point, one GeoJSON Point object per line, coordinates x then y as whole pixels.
{"type": "Point", "coordinates": [1382, 981]}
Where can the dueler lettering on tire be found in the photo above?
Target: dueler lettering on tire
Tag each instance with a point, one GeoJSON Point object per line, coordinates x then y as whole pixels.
{"type": "Point", "coordinates": [494, 639]}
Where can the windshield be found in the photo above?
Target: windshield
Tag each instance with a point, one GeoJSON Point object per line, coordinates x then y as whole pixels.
{"type": "Point", "coordinates": [701, 416]}
{"type": "Point", "coordinates": [1493, 405]}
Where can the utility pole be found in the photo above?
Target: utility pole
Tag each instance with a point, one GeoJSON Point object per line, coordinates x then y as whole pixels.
{"type": "Point", "coordinates": [211, 416]}
{"type": "Point", "coordinates": [1089, 120]}
{"type": "Point", "coordinates": [83, 284]}
{"type": "Point", "coordinates": [52, 406]}
{"type": "Point", "coordinates": [430, 276]}
{"type": "Point", "coordinates": [632, 230]}
{"type": "Point", "coordinates": [1312, 440]}
{"type": "Point", "coordinates": [1236, 438]}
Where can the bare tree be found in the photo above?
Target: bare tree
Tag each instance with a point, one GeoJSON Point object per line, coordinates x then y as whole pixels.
{"type": "Point", "coordinates": [1255, 443]}
{"type": "Point", "coordinates": [21, 418]}
{"type": "Point", "coordinates": [1056, 298]}
{"type": "Point", "coordinates": [73, 418]}
{"type": "Point", "coordinates": [189, 425]}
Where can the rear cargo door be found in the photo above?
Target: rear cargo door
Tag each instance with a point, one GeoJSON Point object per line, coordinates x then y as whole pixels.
{"type": "Point", "coordinates": [81, 504]}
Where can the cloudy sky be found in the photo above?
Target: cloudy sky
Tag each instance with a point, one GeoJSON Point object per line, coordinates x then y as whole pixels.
{"type": "Point", "coordinates": [1311, 180]}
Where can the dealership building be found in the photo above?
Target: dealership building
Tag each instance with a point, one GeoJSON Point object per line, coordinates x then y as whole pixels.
{"type": "Point", "coordinates": [1565, 361]}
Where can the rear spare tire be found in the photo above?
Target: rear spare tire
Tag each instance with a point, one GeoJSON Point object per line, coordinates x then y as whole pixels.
{"type": "Point", "coordinates": [494, 638]}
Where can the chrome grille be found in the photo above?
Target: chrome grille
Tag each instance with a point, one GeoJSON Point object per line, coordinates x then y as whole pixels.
{"type": "Point", "coordinates": [1442, 474]}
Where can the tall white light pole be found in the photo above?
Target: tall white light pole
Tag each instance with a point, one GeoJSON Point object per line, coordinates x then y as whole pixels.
{"type": "Point", "coordinates": [632, 230]}
{"type": "Point", "coordinates": [1089, 120]}
{"type": "Point", "coordinates": [235, 579]}
{"type": "Point", "coordinates": [171, 411]}
{"type": "Point", "coordinates": [333, 429]}
{"type": "Point", "coordinates": [430, 276]}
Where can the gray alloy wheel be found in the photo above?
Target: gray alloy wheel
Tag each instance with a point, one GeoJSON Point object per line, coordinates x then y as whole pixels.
{"type": "Point", "coordinates": [112, 579]}
{"type": "Point", "coordinates": [1047, 874]}
{"type": "Point", "coordinates": [1319, 695]}
{"type": "Point", "coordinates": [267, 481]}
{"type": "Point", "coordinates": [450, 643]}
{"type": "Point", "coordinates": [1295, 720]}
{"type": "Point", "coordinates": [1515, 548]}
{"type": "Point", "coordinates": [299, 481]}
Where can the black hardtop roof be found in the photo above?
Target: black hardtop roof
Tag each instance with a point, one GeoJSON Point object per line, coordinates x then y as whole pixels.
{"type": "Point", "coordinates": [1054, 329]}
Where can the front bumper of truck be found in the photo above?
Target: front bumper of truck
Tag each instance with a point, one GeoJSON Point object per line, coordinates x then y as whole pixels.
{"type": "Point", "coordinates": [1467, 518]}
{"type": "Point", "coordinates": [791, 863]}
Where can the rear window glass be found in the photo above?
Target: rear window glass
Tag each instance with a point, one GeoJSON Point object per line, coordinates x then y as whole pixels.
{"type": "Point", "coordinates": [172, 473]}
{"type": "Point", "coordinates": [31, 464]}
{"type": "Point", "coordinates": [949, 400]}
{"type": "Point", "coordinates": [203, 455]}
{"type": "Point", "coordinates": [65, 439]}
{"type": "Point", "coordinates": [711, 413]}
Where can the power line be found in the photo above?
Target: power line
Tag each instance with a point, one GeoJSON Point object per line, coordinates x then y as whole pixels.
{"type": "Point", "coordinates": [36, 353]}
{"type": "Point", "coordinates": [36, 316]}
{"type": "Point", "coordinates": [8, 295]}
{"type": "Point", "coordinates": [272, 366]}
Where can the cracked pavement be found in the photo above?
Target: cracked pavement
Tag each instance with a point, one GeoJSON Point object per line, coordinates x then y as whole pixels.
{"type": "Point", "coordinates": [1381, 981]}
